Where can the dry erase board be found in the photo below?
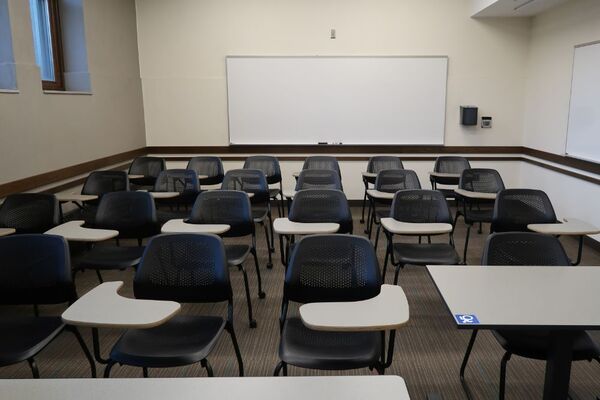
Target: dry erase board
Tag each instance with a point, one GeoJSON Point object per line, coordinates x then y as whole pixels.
{"type": "Point", "coordinates": [336, 99]}
{"type": "Point", "coordinates": [583, 136]}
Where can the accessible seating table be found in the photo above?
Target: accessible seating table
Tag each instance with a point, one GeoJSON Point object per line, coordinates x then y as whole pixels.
{"type": "Point", "coordinates": [568, 227]}
{"type": "Point", "coordinates": [180, 226]}
{"type": "Point", "coordinates": [7, 231]}
{"type": "Point", "coordinates": [411, 228]}
{"type": "Point", "coordinates": [561, 300]}
{"type": "Point", "coordinates": [75, 232]}
{"type": "Point", "coordinates": [248, 388]}
{"type": "Point", "coordinates": [103, 307]}
{"type": "Point", "coordinates": [475, 195]}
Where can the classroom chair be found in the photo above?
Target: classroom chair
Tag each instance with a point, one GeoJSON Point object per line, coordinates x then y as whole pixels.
{"type": "Point", "coordinates": [514, 209]}
{"type": "Point", "coordinates": [527, 249]}
{"type": "Point", "coordinates": [209, 166]}
{"type": "Point", "coordinates": [99, 183]}
{"type": "Point", "coordinates": [183, 181]}
{"type": "Point", "coordinates": [269, 165]}
{"type": "Point", "coordinates": [187, 268]}
{"type": "Point", "coordinates": [376, 164]}
{"type": "Point", "coordinates": [448, 165]}
{"type": "Point", "coordinates": [149, 167]}
{"type": "Point", "coordinates": [36, 270]}
{"type": "Point", "coordinates": [30, 212]}
{"type": "Point", "coordinates": [322, 162]}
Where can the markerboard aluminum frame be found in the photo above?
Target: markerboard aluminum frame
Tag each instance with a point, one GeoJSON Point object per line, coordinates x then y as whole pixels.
{"type": "Point", "coordinates": [337, 56]}
{"type": "Point", "coordinates": [566, 154]}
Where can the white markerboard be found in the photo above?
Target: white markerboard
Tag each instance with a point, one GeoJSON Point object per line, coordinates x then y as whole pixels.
{"type": "Point", "coordinates": [336, 99]}
{"type": "Point", "coordinates": [583, 136]}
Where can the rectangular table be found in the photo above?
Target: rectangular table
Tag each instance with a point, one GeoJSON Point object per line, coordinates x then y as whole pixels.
{"type": "Point", "coordinates": [247, 388]}
{"type": "Point", "coordinates": [558, 299]}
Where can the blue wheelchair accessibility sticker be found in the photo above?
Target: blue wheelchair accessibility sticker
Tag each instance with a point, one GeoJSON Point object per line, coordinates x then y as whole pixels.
{"type": "Point", "coordinates": [466, 319]}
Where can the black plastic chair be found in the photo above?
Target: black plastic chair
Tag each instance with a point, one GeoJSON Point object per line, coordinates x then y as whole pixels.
{"type": "Point", "coordinates": [99, 183]}
{"type": "Point", "coordinates": [388, 181]}
{"type": "Point", "coordinates": [30, 212]}
{"type": "Point", "coordinates": [187, 268]}
{"type": "Point", "coordinates": [322, 162]}
{"type": "Point", "coordinates": [376, 164]}
{"type": "Point", "coordinates": [419, 206]}
{"type": "Point", "coordinates": [318, 179]}
{"type": "Point", "coordinates": [475, 211]}
{"type": "Point", "coordinates": [269, 165]}
{"type": "Point", "coordinates": [210, 166]}
{"type": "Point", "coordinates": [449, 165]}
{"type": "Point", "coordinates": [317, 205]}
{"type": "Point", "coordinates": [326, 268]}
{"type": "Point", "coordinates": [514, 209]}
{"type": "Point", "coordinates": [232, 208]}
{"type": "Point", "coordinates": [149, 167]}
{"type": "Point", "coordinates": [35, 270]}
{"type": "Point", "coordinates": [183, 181]}
{"type": "Point", "coordinates": [527, 249]}
{"type": "Point", "coordinates": [133, 214]}
{"type": "Point", "coordinates": [254, 181]}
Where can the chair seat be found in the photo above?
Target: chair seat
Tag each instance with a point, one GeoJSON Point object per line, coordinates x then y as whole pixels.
{"type": "Point", "coordinates": [24, 337]}
{"type": "Point", "coordinates": [259, 213]}
{"type": "Point", "coordinates": [422, 254]}
{"type": "Point", "coordinates": [475, 215]}
{"type": "Point", "coordinates": [536, 344]}
{"type": "Point", "coordinates": [111, 257]}
{"type": "Point", "coordinates": [236, 253]}
{"type": "Point", "coordinates": [448, 193]}
{"type": "Point", "coordinates": [182, 340]}
{"type": "Point", "coordinates": [307, 348]}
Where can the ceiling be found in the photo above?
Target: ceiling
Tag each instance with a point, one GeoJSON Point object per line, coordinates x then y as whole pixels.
{"type": "Point", "coordinates": [512, 8]}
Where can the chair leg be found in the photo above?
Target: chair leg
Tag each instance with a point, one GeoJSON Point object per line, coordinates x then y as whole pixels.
{"type": "Point", "coordinates": [34, 368]}
{"type": "Point", "coordinates": [272, 245]}
{"type": "Point", "coordinates": [251, 320]}
{"type": "Point", "coordinates": [466, 244]}
{"type": "Point", "coordinates": [285, 372]}
{"type": "Point", "coordinates": [99, 275]}
{"type": "Point", "coordinates": [261, 294]}
{"type": "Point", "coordinates": [377, 235]}
{"type": "Point", "coordinates": [397, 273]}
{"type": "Point", "coordinates": [465, 360]}
{"type": "Point", "coordinates": [145, 372]}
{"type": "Point", "coordinates": [85, 349]}
{"type": "Point", "coordinates": [503, 363]}
{"type": "Point", "coordinates": [236, 348]}
{"type": "Point", "coordinates": [204, 362]}
{"type": "Point", "coordinates": [270, 262]}
{"type": "Point", "coordinates": [364, 203]}
{"type": "Point", "coordinates": [108, 367]}
{"type": "Point", "coordinates": [368, 218]}
{"type": "Point", "coordinates": [278, 368]}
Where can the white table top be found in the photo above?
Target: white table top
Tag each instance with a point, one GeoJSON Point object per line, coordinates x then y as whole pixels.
{"type": "Point", "coordinates": [248, 388]}
{"type": "Point", "coordinates": [66, 197]}
{"type": "Point", "coordinates": [7, 231]}
{"type": "Point", "coordinates": [521, 297]}
{"type": "Point", "coordinates": [475, 195]}
{"type": "Point", "coordinates": [104, 307]}
{"type": "Point", "coordinates": [289, 193]}
{"type": "Point", "coordinates": [386, 311]}
{"type": "Point", "coordinates": [570, 226]}
{"type": "Point", "coordinates": [380, 195]}
{"type": "Point", "coordinates": [135, 176]}
{"type": "Point", "coordinates": [164, 195]}
{"type": "Point", "coordinates": [411, 228]}
{"type": "Point", "coordinates": [295, 174]}
{"type": "Point", "coordinates": [369, 174]}
{"type": "Point", "coordinates": [202, 176]}
{"type": "Point", "coordinates": [74, 231]}
{"type": "Point", "coordinates": [179, 226]}
{"type": "Point", "coordinates": [444, 174]}
{"type": "Point", "coordinates": [284, 226]}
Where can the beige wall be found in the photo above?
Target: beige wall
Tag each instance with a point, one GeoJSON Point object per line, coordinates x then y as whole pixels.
{"type": "Point", "coordinates": [553, 37]}
{"type": "Point", "coordinates": [43, 132]}
{"type": "Point", "coordinates": [183, 44]}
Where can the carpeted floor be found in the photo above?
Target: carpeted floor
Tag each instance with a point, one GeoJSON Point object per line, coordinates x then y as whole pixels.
{"type": "Point", "coordinates": [428, 350]}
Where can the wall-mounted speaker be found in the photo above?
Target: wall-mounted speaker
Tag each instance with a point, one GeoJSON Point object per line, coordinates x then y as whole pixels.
{"type": "Point", "coordinates": [468, 115]}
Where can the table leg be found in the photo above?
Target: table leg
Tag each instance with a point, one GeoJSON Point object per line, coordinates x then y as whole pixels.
{"type": "Point", "coordinates": [558, 366]}
{"type": "Point", "coordinates": [96, 343]}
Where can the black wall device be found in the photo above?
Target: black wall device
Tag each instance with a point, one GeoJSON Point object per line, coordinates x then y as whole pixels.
{"type": "Point", "coordinates": [468, 115]}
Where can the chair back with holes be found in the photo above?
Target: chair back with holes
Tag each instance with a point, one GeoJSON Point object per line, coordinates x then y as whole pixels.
{"type": "Point", "coordinates": [450, 165]}
{"type": "Point", "coordinates": [380, 163]}
{"type": "Point", "coordinates": [150, 167]}
{"type": "Point", "coordinates": [30, 212]}
{"type": "Point", "coordinates": [420, 206]}
{"type": "Point", "coordinates": [318, 179]}
{"type": "Point", "coordinates": [210, 166]}
{"type": "Point", "coordinates": [184, 181]}
{"type": "Point", "coordinates": [392, 180]}
{"type": "Point", "coordinates": [269, 165]}
{"type": "Point", "coordinates": [324, 268]}
{"type": "Point", "coordinates": [483, 180]}
{"type": "Point", "coordinates": [523, 248]}
{"type": "Point", "coordinates": [35, 269]}
{"type": "Point", "coordinates": [322, 205]}
{"type": "Point", "coordinates": [229, 207]}
{"type": "Point", "coordinates": [133, 214]}
{"type": "Point", "coordinates": [101, 182]}
{"type": "Point", "coordinates": [186, 267]}
{"type": "Point", "coordinates": [322, 162]}
{"type": "Point", "coordinates": [516, 208]}
{"type": "Point", "coordinates": [249, 181]}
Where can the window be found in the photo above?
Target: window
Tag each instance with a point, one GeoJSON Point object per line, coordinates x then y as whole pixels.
{"type": "Point", "coordinates": [47, 43]}
{"type": "Point", "coordinates": [8, 77]}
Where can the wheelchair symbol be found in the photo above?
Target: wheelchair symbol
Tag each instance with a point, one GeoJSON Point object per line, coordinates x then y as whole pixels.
{"type": "Point", "coordinates": [466, 319]}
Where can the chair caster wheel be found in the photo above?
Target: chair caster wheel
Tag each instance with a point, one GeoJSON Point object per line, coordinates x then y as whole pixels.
{"type": "Point", "coordinates": [270, 266]}
{"type": "Point", "coordinates": [261, 295]}
{"type": "Point", "coordinates": [253, 324]}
